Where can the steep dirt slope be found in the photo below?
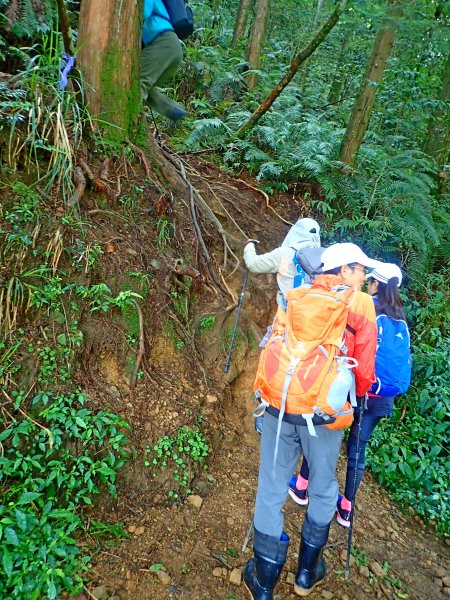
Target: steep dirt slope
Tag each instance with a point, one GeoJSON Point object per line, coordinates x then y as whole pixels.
{"type": "Point", "coordinates": [199, 547]}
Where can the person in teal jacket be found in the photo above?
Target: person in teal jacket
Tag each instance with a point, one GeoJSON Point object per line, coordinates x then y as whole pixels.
{"type": "Point", "coordinates": [160, 58]}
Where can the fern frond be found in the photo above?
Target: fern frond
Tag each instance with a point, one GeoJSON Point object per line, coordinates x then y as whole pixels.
{"type": "Point", "coordinates": [206, 133]}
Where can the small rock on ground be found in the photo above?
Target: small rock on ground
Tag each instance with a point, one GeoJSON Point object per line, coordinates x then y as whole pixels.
{"type": "Point", "coordinates": [376, 568]}
{"type": "Point", "coordinates": [100, 593]}
{"type": "Point", "coordinates": [445, 591]}
{"type": "Point", "coordinates": [446, 581]}
{"type": "Point", "coordinates": [195, 500]}
{"type": "Point", "coordinates": [290, 578]}
{"type": "Point", "coordinates": [163, 577]}
{"type": "Point", "coordinates": [343, 556]}
{"type": "Point", "coordinates": [235, 577]}
{"type": "Point", "coordinates": [439, 571]}
{"type": "Point", "coordinates": [217, 572]}
{"type": "Point", "coordinates": [326, 594]}
{"type": "Point", "coordinates": [364, 571]}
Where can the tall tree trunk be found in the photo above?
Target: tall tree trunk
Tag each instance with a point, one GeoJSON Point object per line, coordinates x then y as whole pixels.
{"type": "Point", "coordinates": [305, 70]}
{"type": "Point", "coordinates": [337, 83]}
{"type": "Point", "coordinates": [365, 100]}
{"type": "Point", "coordinates": [241, 21]}
{"type": "Point", "coordinates": [65, 27]}
{"type": "Point", "coordinates": [437, 142]}
{"type": "Point", "coordinates": [297, 61]}
{"type": "Point", "coordinates": [257, 38]}
{"type": "Point", "coordinates": [109, 43]}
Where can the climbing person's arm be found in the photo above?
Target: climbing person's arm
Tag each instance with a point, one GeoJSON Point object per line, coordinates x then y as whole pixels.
{"type": "Point", "coordinates": [363, 323]}
{"type": "Point", "coordinates": [263, 263]}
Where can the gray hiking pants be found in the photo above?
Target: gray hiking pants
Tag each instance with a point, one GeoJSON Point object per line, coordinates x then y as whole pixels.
{"type": "Point", "coordinates": [159, 63]}
{"type": "Point", "coordinates": [273, 482]}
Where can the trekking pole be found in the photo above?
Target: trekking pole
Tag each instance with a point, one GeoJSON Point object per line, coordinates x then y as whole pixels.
{"type": "Point", "coordinates": [352, 513]}
{"type": "Point", "coordinates": [233, 336]}
{"type": "Point", "coordinates": [249, 533]}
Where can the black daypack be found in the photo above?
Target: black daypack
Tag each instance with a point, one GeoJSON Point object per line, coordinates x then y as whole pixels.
{"type": "Point", "coordinates": [181, 17]}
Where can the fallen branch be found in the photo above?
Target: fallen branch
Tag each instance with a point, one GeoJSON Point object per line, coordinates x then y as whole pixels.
{"type": "Point", "coordinates": [185, 270]}
{"type": "Point", "coordinates": [403, 413]}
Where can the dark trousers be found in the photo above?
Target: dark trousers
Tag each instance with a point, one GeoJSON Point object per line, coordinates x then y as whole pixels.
{"type": "Point", "coordinates": [368, 425]}
{"type": "Point", "coordinates": [159, 63]}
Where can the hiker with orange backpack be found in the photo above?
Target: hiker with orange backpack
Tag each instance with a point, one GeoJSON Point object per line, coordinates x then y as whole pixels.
{"type": "Point", "coordinates": [304, 376]}
{"type": "Point", "coordinates": [305, 233]}
{"type": "Point", "coordinates": [393, 376]}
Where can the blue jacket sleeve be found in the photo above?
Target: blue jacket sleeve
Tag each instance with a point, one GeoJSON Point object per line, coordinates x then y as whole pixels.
{"type": "Point", "coordinates": [148, 8]}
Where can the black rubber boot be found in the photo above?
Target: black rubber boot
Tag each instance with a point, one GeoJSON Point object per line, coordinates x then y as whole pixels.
{"type": "Point", "coordinates": [262, 572]}
{"type": "Point", "coordinates": [311, 565]}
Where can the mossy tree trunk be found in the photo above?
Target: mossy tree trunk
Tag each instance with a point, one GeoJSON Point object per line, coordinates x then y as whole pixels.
{"type": "Point", "coordinates": [365, 100]}
{"type": "Point", "coordinates": [109, 45]}
{"type": "Point", "coordinates": [241, 21]}
{"type": "Point", "coordinates": [257, 34]}
{"type": "Point", "coordinates": [437, 143]}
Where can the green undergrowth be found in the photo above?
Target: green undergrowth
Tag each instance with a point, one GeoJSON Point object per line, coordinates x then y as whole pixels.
{"type": "Point", "coordinates": [57, 452]}
{"type": "Point", "coordinates": [409, 453]}
{"type": "Point", "coordinates": [180, 455]}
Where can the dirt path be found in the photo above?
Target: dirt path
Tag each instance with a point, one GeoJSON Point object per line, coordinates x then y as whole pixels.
{"type": "Point", "coordinates": [199, 548]}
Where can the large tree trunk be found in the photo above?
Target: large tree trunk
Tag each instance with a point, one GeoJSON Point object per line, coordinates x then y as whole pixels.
{"type": "Point", "coordinates": [363, 106]}
{"type": "Point", "coordinates": [298, 60]}
{"type": "Point", "coordinates": [109, 43]}
{"type": "Point", "coordinates": [257, 38]}
{"type": "Point", "coordinates": [437, 142]}
{"type": "Point", "coordinates": [241, 21]}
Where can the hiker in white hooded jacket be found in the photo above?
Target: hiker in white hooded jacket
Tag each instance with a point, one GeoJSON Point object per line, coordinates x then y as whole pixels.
{"type": "Point", "coordinates": [305, 233]}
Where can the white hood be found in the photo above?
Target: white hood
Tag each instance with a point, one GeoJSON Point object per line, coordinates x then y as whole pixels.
{"type": "Point", "coordinates": [304, 233]}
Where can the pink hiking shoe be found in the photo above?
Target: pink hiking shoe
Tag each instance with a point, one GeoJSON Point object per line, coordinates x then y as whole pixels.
{"type": "Point", "coordinates": [298, 490]}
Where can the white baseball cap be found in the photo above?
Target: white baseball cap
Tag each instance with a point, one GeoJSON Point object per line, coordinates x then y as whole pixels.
{"type": "Point", "coordinates": [385, 271]}
{"type": "Point", "coordinates": [339, 255]}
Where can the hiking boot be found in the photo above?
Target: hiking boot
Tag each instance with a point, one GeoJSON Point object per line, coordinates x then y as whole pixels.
{"type": "Point", "coordinates": [176, 114]}
{"type": "Point", "coordinates": [262, 572]}
{"type": "Point", "coordinates": [343, 514]}
{"type": "Point", "coordinates": [298, 496]}
{"type": "Point", "coordinates": [260, 577]}
{"type": "Point", "coordinates": [311, 564]}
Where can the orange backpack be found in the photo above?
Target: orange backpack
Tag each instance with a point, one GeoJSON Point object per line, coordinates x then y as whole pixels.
{"type": "Point", "coordinates": [303, 369]}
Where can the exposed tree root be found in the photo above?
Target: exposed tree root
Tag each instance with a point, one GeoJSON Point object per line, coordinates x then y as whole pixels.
{"type": "Point", "coordinates": [266, 197]}
{"type": "Point", "coordinates": [80, 186]}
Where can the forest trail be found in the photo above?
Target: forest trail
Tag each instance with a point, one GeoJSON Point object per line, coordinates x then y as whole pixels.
{"type": "Point", "coordinates": [199, 547]}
